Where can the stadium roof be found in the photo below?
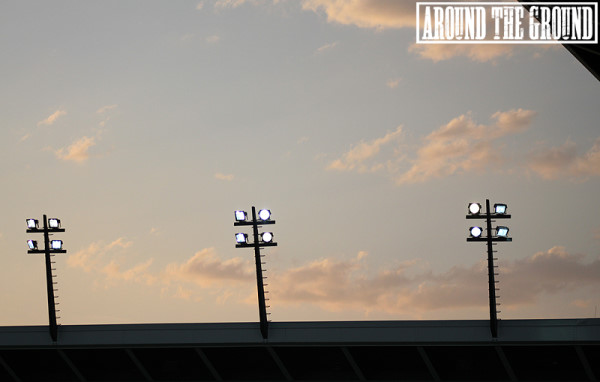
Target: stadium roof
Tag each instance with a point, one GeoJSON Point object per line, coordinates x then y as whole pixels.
{"type": "Point", "coordinates": [587, 54]}
{"type": "Point", "coordinates": [306, 351]}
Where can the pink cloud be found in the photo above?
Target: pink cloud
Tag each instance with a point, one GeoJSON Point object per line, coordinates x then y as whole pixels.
{"type": "Point", "coordinates": [563, 161]}
{"type": "Point", "coordinates": [346, 285]}
{"type": "Point", "coordinates": [379, 14]}
{"type": "Point", "coordinates": [357, 157]}
{"type": "Point", "coordinates": [78, 151]}
{"type": "Point", "coordinates": [52, 118]}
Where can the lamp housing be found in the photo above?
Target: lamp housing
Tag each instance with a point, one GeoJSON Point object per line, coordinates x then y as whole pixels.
{"type": "Point", "coordinates": [54, 223]}
{"type": "Point", "coordinates": [502, 231]}
{"type": "Point", "coordinates": [474, 208]}
{"type": "Point", "coordinates": [500, 208]}
{"type": "Point", "coordinates": [32, 223]}
{"type": "Point", "coordinates": [241, 238]}
{"type": "Point", "coordinates": [32, 244]}
{"type": "Point", "coordinates": [266, 237]}
{"type": "Point", "coordinates": [475, 231]}
{"type": "Point", "coordinates": [241, 216]}
{"type": "Point", "coordinates": [56, 244]}
{"type": "Point", "coordinates": [264, 215]}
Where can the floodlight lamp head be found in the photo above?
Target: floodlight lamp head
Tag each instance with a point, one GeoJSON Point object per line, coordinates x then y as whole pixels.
{"type": "Point", "coordinates": [56, 244]}
{"type": "Point", "coordinates": [264, 215]}
{"type": "Point", "coordinates": [475, 231]}
{"type": "Point", "coordinates": [32, 223]}
{"type": "Point", "coordinates": [32, 244]}
{"type": "Point", "coordinates": [241, 238]}
{"type": "Point", "coordinates": [267, 237]}
{"type": "Point", "coordinates": [474, 208]}
{"type": "Point", "coordinates": [502, 231]}
{"type": "Point", "coordinates": [54, 223]}
{"type": "Point", "coordinates": [241, 216]}
{"type": "Point", "coordinates": [500, 208]}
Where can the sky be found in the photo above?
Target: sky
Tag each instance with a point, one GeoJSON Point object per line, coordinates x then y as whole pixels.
{"type": "Point", "coordinates": [143, 125]}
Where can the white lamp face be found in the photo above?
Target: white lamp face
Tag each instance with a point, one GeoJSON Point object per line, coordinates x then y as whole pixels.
{"type": "Point", "coordinates": [475, 231]}
{"type": "Point", "coordinates": [32, 244]}
{"type": "Point", "coordinates": [53, 223]}
{"type": "Point", "coordinates": [502, 231]}
{"type": "Point", "coordinates": [474, 208]}
{"type": "Point", "coordinates": [264, 214]}
{"type": "Point", "coordinates": [31, 223]}
{"type": "Point", "coordinates": [240, 237]}
{"type": "Point", "coordinates": [56, 244]}
{"type": "Point", "coordinates": [500, 208]}
{"type": "Point", "coordinates": [240, 216]}
{"type": "Point", "coordinates": [267, 237]}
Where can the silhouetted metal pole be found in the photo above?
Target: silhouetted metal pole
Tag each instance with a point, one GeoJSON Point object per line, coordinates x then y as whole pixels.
{"type": "Point", "coordinates": [50, 284]}
{"type": "Point", "coordinates": [48, 251]}
{"type": "Point", "coordinates": [257, 244]}
{"type": "Point", "coordinates": [490, 239]}
{"type": "Point", "coordinates": [491, 280]}
{"type": "Point", "coordinates": [262, 305]}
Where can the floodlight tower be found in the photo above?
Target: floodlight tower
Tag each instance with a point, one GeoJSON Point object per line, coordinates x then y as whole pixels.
{"type": "Point", "coordinates": [501, 235]}
{"type": "Point", "coordinates": [50, 247]}
{"type": "Point", "coordinates": [265, 239]}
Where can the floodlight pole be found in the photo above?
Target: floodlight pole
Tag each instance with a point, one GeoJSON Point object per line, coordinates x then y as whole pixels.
{"type": "Point", "coordinates": [491, 279]}
{"type": "Point", "coordinates": [53, 326]}
{"type": "Point", "coordinates": [489, 239]}
{"type": "Point", "coordinates": [49, 284]}
{"type": "Point", "coordinates": [260, 286]}
{"type": "Point", "coordinates": [262, 305]}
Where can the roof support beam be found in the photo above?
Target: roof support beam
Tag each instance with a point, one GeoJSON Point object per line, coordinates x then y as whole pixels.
{"type": "Point", "coordinates": [428, 363]}
{"type": "Point", "coordinates": [585, 363]}
{"type": "Point", "coordinates": [505, 363]}
{"type": "Point", "coordinates": [352, 363]}
{"type": "Point", "coordinates": [72, 366]}
{"type": "Point", "coordinates": [139, 365]}
{"type": "Point", "coordinates": [280, 365]}
{"type": "Point", "coordinates": [9, 370]}
{"type": "Point", "coordinates": [208, 364]}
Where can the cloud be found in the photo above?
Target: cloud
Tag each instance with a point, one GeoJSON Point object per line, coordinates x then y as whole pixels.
{"type": "Point", "coordinates": [213, 39]}
{"type": "Point", "coordinates": [336, 285]}
{"type": "Point", "coordinates": [409, 288]}
{"type": "Point", "coordinates": [378, 14]}
{"type": "Point", "coordinates": [357, 158]}
{"type": "Point", "coordinates": [204, 269]}
{"type": "Point", "coordinates": [207, 269]}
{"type": "Point", "coordinates": [225, 177]}
{"type": "Point", "coordinates": [229, 3]}
{"type": "Point", "coordinates": [326, 47]}
{"type": "Point", "coordinates": [460, 146]}
{"type": "Point", "coordinates": [463, 145]}
{"type": "Point", "coordinates": [393, 14]}
{"type": "Point", "coordinates": [475, 52]}
{"type": "Point", "coordinates": [138, 273]}
{"type": "Point", "coordinates": [52, 118]}
{"type": "Point", "coordinates": [100, 258]}
{"type": "Point", "coordinates": [393, 83]}
{"type": "Point", "coordinates": [200, 5]}
{"type": "Point", "coordinates": [91, 257]}
{"type": "Point", "coordinates": [563, 161]}
{"type": "Point", "coordinates": [106, 108]}
{"type": "Point", "coordinates": [77, 151]}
